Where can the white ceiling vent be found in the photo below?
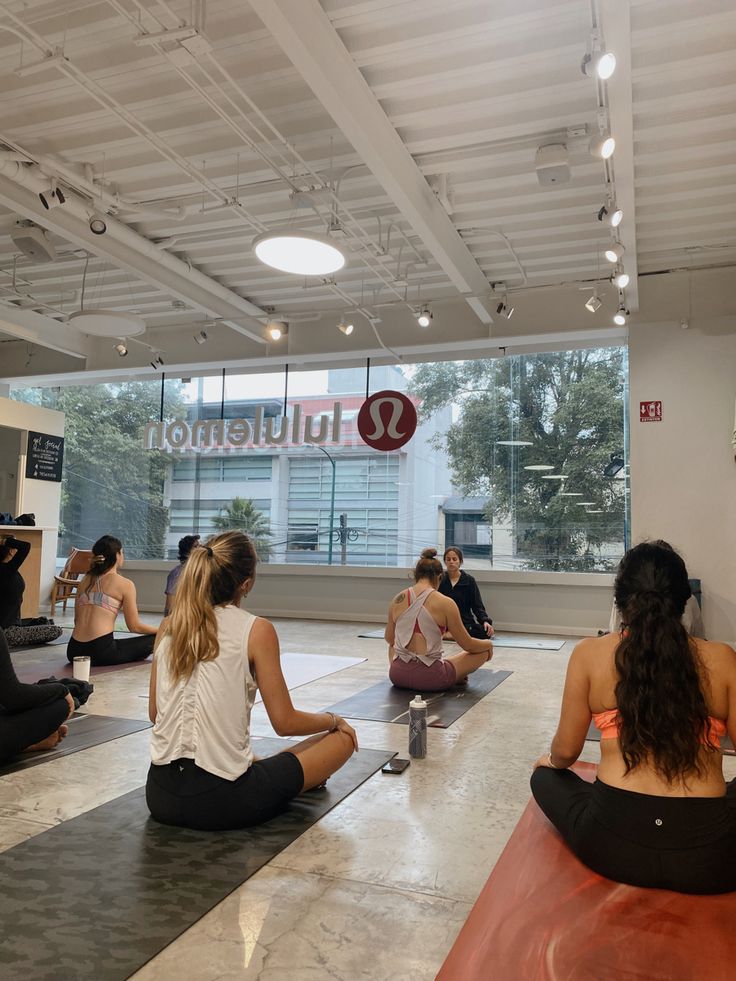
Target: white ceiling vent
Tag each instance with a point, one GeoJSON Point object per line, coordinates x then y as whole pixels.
{"type": "Point", "coordinates": [552, 165]}
{"type": "Point", "coordinates": [32, 242]}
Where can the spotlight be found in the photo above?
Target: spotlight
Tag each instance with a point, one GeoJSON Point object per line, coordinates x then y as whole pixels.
{"type": "Point", "coordinates": [276, 329]}
{"type": "Point", "coordinates": [346, 327]}
{"type": "Point", "coordinates": [424, 317]}
{"type": "Point", "coordinates": [612, 213]}
{"type": "Point", "coordinates": [201, 337]}
{"type": "Point", "coordinates": [615, 465]}
{"type": "Point", "coordinates": [97, 224]}
{"type": "Point", "coordinates": [621, 279]}
{"type": "Point", "coordinates": [158, 362]}
{"type": "Point", "coordinates": [122, 350]}
{"type": "Point", "coordinates": [620, 316]}
{"type": "Point", "coordinates": [594, 303]}
{"type": "Point", "coordinates": [614, 252]}
{"type": "Point", "coordinates": [52, 196]}
{"type": "Point", "coordinates": [505, 310]}
{"type": "Point", "coordinates": [602, 145]}
{"type": "Point", "coordinates": [599, 64]}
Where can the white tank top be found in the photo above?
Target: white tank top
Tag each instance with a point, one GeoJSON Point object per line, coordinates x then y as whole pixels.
{"type": "Point", "coordinates": [207, 717]}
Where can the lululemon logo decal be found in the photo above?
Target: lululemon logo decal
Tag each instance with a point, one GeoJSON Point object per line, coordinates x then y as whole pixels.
{"type": "Point", "coordinates": [387, 420]}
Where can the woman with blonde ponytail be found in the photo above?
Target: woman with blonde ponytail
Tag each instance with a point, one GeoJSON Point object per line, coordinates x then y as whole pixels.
{"type": "Point", "coordinates": [211, 657]}
{"type": "Point", "coordinates": [102, 595]}
{"type": "Point", "coordinates": [660, 813]}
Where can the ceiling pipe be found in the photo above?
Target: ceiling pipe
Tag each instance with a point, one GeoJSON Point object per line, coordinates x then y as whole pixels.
{"type": "Point", "coordinates": [125, 247]}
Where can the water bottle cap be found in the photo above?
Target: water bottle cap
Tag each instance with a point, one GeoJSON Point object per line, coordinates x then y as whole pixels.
{"type": "Point", "coordinates": [417, 702]}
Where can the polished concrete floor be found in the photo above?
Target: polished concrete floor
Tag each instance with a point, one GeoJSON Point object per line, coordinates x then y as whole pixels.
{"type": "Point", "coordinates": [379, 888]}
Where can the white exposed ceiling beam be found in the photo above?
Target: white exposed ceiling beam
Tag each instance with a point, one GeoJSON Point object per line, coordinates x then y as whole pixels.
{"type": "Point", "coordinates": [35, 328]}
{"type": "Point", "coordinates": [615, 18]}
{"type": "Point", "coordinates": [125, 248]}
{"type": "Point", "coordinates": [304, 32]}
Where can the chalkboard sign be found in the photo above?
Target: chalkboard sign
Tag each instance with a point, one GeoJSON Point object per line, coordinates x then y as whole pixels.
{"type": "Point", "coordinates": [44, 457]}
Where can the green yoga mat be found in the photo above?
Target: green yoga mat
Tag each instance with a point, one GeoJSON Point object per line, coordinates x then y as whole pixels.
{"type": "Point", "coordinates": [95, 898]}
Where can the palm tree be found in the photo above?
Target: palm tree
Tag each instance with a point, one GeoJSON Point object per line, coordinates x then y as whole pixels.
{"type": "Point", "coordinates": [241, 514]}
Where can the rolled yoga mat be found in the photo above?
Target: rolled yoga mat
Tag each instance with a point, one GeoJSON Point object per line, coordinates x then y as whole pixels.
{"type": "Point", "coordinates": [85, 731]}
{"type": "Point", "coordinates": [384, 703]}
{"type": "Point", "coordinates": [98, 896]}
{"type": "Point", "coordinates": [501, 640]}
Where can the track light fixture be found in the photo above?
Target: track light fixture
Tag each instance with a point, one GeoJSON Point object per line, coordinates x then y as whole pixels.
{"type": "Point", "coordinates": [611, 213]}
{"type": "Point", "coordinates": [276, 329]}
{"type": "Point", "coordinates": [122, 350]}
{"type": "Point", "coordinates": [597, 62]}
{"type": "Point", "coordinates": [620, 316]}
{"type": "Point", "coordinates": [201, 337]}
{"type": "Point", "coordinates": [602, 145]}
{"type": "Point", "coordinates": [424, 317]}
{"type": "Point", "coordinates": [614, 252]}
{"type": "Point", "coordinates": [621, 279]}
{"type": "Point", "coordinates": [158, 362]}
{"type": "Point", "coordinates": [51, 196]}
{"type": "Point", "coordinates": [346, 326]}
{"type": "Point", "coordinates": [593, 303]}
{"type": "Point", "coordinates": [97, 224]}
{"type": "Point", "coordinates": [504, 309]}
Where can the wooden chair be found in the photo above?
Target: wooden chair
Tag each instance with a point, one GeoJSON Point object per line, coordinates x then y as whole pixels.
{"type": "Point", "coordinates": [66, 585]}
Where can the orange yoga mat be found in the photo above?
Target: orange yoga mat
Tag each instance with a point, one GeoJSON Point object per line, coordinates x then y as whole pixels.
{"type": "Point", "coordinates": [544, 916]}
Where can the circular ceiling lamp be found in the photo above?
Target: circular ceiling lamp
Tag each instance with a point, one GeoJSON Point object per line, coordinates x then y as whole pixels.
{"type": "Point", "coordinates": [300, 253]}
{"type": "Point", "coordinates": [540, 466]}
{"type": "Point", "coordinates": [513, 442]}
{"type": "Point", "coordinates": [107, 323]}
{"type": "Point", "coordinates": [555, 476]}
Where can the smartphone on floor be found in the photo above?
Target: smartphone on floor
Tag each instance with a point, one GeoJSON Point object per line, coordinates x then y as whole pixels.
{"type": "Point", "coordinates": [395, 765]}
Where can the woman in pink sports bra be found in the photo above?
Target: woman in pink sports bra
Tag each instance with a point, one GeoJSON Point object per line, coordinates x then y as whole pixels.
{"type": "Point", "coordinates": [417, 618]}
{"type": "Point", "coordinates": [102, 594]}
{"type": "Point", "coordinates": [660, 813]}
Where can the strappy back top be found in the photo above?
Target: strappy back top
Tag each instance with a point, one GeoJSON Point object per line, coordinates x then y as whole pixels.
{"type": "Point", "coordinates": [415, 616]}
{"type": "Point", "coordinates": [96, 597]}
{"type": "Point", "coordinates": [609, 725]}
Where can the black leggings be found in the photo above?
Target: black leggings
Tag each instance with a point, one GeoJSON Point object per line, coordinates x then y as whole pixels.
{"type": "Point", "coordinates": [687, 844]}
{"type": "Point", "coordinates": [19, 730]}
{"type": "Point", "coordinates": [183, 794]}
{"type": "Point", "coordinates": [106, 650]}
{"type": "Point", "coordinates": [476, 630]}
{"type": "Point", "coordinates": [36, 630]}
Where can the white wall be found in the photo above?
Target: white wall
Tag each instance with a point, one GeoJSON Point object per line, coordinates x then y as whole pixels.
{"type": "Point", "coordinates": [683, 475]}
{"type": "Point", "coordinates": [545, 602]}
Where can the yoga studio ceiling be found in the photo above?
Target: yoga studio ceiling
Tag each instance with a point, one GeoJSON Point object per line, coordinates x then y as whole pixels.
{"type": "Point", "coordinates": [443, 148]}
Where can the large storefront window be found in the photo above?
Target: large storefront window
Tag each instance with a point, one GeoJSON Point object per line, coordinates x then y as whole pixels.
{"type": "Point", "coordinates": [521, 461]}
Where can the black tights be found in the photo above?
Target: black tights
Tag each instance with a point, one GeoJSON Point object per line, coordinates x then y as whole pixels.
{"type": "Point", "coordinates": [106, 650]}
{"type": "Point", "coordinates": [687, 844]}
{"type": "Point", "coordinates": [19, 730]}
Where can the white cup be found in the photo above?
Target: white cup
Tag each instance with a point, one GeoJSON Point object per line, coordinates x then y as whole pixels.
{"type": "Point", "coordinates": [80, 668]}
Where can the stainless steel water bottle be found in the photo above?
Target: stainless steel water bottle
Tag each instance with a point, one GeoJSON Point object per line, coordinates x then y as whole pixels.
{"type": "Point", "coordinates": [417, 728]}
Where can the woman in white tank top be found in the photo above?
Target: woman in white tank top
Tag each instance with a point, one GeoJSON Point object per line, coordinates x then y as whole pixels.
{"type": "Point", "coordinates": [210, 659]}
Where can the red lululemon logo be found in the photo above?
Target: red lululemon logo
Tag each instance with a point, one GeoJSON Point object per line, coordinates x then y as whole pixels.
{"type": "Point", "coordinates": [387, 420]}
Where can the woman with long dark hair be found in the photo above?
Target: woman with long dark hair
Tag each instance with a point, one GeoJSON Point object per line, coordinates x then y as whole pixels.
{"type": "Point", "coordinates": [660, 813]}
{"type": "Point", "coordinates": [102, 594]}
{"type": "Point", "coordinates": [417, 619]}
{"type": "Point", "coordinates": [461, 587]}
{"type": "Point", "coordinates": [211, 658]}
{"type": "Point", "coordinates": [19, 631]}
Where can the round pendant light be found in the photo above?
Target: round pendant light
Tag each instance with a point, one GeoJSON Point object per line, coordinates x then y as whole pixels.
{"type": "Point", "coordinates": [513, 442]}
{"type": "Point", "coordinates": [300, 253]}
{"type": "Point", "coordinates": [107, 323]}
{"type": "Point", "coordinates": [540, 466]}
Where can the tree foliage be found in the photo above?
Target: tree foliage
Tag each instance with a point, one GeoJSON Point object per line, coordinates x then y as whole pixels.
{"type": "Point", "coordinates": [111, 484]}
{"type": "Point", "coordinates": [569, 406]}
{"type": "Point", "coordinates": [241, 514]}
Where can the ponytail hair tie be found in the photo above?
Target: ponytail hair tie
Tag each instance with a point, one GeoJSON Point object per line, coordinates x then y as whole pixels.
{"type": "Point", "coordinates": [207, 549]}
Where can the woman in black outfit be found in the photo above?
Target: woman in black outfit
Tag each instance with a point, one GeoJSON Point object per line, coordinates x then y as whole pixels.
{"type": "Point", "coordinates": [463, 588]}
{"type": "Point", "coordinates": [31, 716]}
{"type": "Point", "coordinates": [37, 630]}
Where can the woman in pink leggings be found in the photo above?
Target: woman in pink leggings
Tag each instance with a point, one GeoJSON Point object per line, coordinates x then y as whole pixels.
{"type": "Point", "coordinates": [417, 618]}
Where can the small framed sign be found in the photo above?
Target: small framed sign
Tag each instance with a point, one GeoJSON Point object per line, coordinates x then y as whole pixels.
{"type": "Point", "coordinates": [650, 411]}
{"type": "Point", "coordinates": [45, 456]}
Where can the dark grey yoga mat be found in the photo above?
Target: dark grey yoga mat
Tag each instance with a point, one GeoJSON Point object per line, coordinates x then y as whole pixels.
{"type": "Point", "coordinates": [594, 736]}
{"type": "Point", "coordinates": [97, 897]}
{"type": "Point", "coordinates": [523, 641]}
{"type": "Point", "coordinates": [384, 703]}
{"type": "Point", "coordinates": [85, 731]}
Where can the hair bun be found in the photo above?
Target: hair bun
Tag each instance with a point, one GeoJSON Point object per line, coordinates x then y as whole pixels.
{"type": "Point", "coordinates": [428, 553]}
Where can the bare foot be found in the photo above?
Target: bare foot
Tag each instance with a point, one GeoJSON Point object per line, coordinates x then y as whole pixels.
{"type": "Point", "coordinates": [50, 742]}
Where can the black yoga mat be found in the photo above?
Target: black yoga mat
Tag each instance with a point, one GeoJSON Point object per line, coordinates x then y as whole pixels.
{"type": "Point", "coordinates": [97, 897]}
{"type": "Point", "coordinates": [523, 641]}
{"type": "Point", "coordinates": [594, 736]}
{"type": "Point", "coordinates": [32, 663]}
{"type": "Point", "coordinates": [85, 731]}
{"type": "Point", "coordinates": [384, 703]}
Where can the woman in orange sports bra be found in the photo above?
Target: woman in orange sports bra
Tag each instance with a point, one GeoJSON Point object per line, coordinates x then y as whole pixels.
{"type": "Point", "coordinates": [660, 813]}
{"type": "Point", "coordinates": [102, 594]}
{"type": "Point", "coordinates": [417, 618]}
